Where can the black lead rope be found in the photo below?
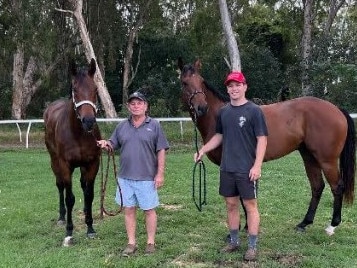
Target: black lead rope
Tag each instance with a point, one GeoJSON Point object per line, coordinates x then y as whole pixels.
{"type": "Point", "coordinates": [202, 192]}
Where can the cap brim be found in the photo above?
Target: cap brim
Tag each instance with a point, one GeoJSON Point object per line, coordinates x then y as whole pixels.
{"type": "Point", "coordinates": [138, 98]}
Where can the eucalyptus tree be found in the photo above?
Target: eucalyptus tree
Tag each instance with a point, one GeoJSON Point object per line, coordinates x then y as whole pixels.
{"type": "Point", "coordinates": [232, 46]}
{"type": "Point", "coordinates": [89, 52]}
{"type": "Point", "coordinates": [134, 15]}
{"type": "Point", "coordinates": [32, 58]}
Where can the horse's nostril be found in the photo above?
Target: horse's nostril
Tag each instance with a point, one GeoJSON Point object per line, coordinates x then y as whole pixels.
{"type": "Point", "coordinates": [88, 123]}
{"type": "Point", "coordinates": [202, 109]}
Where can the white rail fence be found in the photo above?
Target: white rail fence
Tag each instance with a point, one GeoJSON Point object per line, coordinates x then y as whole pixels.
{"type": "Point", "coordinates": [180, 120]}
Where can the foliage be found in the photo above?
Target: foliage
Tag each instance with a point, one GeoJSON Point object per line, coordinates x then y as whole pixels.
{"type": "Point", "coordinates": [268, 33]}
{"type": "Point", "coordinates": [157, 75]}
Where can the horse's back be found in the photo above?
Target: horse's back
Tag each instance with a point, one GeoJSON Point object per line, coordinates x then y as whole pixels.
{"type": "Point", "coordinates": [308, 121]}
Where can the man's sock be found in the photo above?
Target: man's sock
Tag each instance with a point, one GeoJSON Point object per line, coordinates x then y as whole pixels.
{"type": "Point", "coordinates": [234, 236]}
{"type": "Point", "coordinates": [252, 241]}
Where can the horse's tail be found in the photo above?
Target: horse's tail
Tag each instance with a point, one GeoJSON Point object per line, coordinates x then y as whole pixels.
{"type": "Point", "coordinates": [348, 160]}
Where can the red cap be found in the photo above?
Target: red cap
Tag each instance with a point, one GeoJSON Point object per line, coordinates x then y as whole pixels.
{"type": "Point", "coordinates": [235, 76]}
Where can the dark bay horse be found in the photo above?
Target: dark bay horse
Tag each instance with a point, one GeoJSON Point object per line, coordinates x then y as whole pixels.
{"type": "Point", "coordinates": [70, 136]}
{"type": "Point", "coordinates": [324, 135]}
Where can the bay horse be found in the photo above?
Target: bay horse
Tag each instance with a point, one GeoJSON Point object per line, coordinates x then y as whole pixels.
{"type": "Point", "coordinates": [324, 135]}
{"type": "Point", "coordinates": [70, 136]}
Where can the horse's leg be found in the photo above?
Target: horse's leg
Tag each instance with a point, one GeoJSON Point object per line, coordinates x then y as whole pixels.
{"type": "Point", "coordinates": [83, 186]}
{"type": "Point", "coordinates": [62, 209]}
{"type": "Point", "coordinates": [331, 173]}
{"type": "Point", "coordinates": [317, 184]}
{"type": "Point", "coordinates": [59, 183]}
{"type": "Point", "coordinates": [87, 180]}
{"type": "Point", "coordinates": [70, 200]}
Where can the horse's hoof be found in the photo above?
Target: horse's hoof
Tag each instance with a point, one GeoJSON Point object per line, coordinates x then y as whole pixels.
{"type": "Point", "coordinates": [330, 230]}
{"type": "Point", "coordinates": [61, 222]}
{"type": "Point", "coordinates": [68, 241]}
{"type": "Point", "coordinates": [300, 229]}
{"type": "Point", "coordinates": [91, 235]}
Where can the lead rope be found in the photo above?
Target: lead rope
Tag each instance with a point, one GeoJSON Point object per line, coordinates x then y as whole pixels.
{"type": "Point", "coordinates": [104, 186]}
{"type": "Point", "coordinates": [202, 177]}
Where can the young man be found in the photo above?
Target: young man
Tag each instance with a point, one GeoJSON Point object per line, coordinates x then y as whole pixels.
{"type": "Point", "coordinates": [242, 131]}
{"type": "Point", "coordinates": [143, 146]}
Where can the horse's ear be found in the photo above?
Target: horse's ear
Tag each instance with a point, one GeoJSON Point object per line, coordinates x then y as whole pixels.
{"type": "Point", "coordinates": [180, 63]}
{"type": "Point", "coordinates": [92, 67]}
{"type": "Point", "coordinates": [198, 65]}
{"type": "Point", "coordinates": [73, 67]}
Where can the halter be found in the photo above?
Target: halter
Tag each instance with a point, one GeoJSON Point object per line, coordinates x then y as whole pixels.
{"type": "Point", "coordinates": [78, 104]}
{"type": "Point", "coordinates": [193, 95]}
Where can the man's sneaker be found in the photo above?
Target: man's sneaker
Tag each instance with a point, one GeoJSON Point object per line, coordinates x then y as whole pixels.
{"type": "Point", "coordinates": [129, 250]}
{"type": "Point", "coordinates": [229, 248]}
{"type": "Point", "coordinates": [251, 254]}
{"type": "Point", "coordinates": [150, 249]}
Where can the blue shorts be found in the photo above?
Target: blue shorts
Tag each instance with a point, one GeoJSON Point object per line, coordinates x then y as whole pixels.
{"type": "Point", "coordinates": [137, 193]}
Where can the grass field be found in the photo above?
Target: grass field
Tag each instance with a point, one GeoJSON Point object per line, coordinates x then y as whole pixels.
{"type": "Point", "coordinates": [186, 237]}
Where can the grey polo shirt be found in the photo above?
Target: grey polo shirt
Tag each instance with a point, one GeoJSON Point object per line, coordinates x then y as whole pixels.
{"type": "Point", "coordinates": [138, 148]}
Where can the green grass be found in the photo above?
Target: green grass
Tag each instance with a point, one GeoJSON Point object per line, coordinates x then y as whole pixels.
{"type": "Point", "coordinates": [185, 237]}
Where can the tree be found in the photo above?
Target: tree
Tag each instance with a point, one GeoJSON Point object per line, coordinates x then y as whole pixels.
{"type": "Point", "coordinates": [235, 63]}
{"type": "Point", "coordinates": [306, 48]}
{"type": "Point", "coordinates": [89, 52]}
{"type": "Point", "coordinates": [136, 16]}
{"type": "Point", "coordinates": [25, 79]}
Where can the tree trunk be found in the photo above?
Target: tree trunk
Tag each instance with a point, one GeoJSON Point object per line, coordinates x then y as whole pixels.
{"type": "Point", "coordinates": [29, 87]}
{"type": "Point", "coordinates": [234, 56]}
{"type": "Point", "coordinates": [89, 52]}
{"type": "Point", "coordinates": [17, 80]}
{"type": "Point", "coordinates": [334, 8]}
{"type": "Point", "coordinates": [129, 72]}
{"type": "Point", "coordinates": [306, 49]}
{"type": "Point", "coordinates": [127, 65]}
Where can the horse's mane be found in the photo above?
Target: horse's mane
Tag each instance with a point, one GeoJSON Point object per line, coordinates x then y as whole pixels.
{"type": "Point", "coordinates": [219, 94]}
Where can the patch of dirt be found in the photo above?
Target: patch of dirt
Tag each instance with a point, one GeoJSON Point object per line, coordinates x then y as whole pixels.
{"type": "Point", "coordinates": [171, 207]}
{"type": "Point", "coordinates": [287, 259]}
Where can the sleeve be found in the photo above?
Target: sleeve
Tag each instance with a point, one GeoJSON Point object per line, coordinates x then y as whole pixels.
{"type": "Point", "coordinates": [260, 128]}
{"type": "Point", "coordinates": [114, 138]}
{"type": "Point", "coordinates": [219, 128]}
{"type": "Point", "coordinates": [162, 142]}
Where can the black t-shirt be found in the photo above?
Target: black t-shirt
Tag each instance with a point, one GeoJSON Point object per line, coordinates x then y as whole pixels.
{"type": "Point", "coordinates": [240, 127]}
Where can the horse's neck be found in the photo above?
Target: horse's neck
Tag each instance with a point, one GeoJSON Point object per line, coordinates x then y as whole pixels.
{"type": "Point", "coordinates": [72, 115]}
{"type": "Point", "coordinates": [206, 124]}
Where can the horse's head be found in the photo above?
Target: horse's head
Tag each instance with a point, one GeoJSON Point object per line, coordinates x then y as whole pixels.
{"type": "Point", "coordinates": [193, 88]}
{"type": "Point", "coordinates": [84, 95]}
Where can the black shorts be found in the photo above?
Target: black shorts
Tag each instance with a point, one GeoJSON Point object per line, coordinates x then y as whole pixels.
{"type": "Point", "coordinates": [237, 184]}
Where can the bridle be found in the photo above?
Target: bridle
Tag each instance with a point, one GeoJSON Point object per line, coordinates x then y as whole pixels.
{"type": "Point", "coordinates": [193, 95]}
{"type": "Point", "coordinates": [79, 104]}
